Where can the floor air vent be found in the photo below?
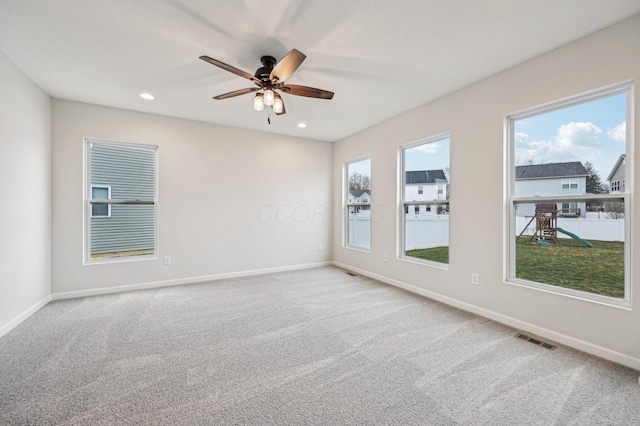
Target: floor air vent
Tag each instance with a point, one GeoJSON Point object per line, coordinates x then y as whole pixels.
{"type": "Point", "coordinates": [535, 341]}
{"type": "Point", "coordinates": [351, 273]}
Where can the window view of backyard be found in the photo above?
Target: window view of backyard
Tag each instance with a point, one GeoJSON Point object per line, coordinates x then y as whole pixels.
{"type": "Point", "coordinates": [425, 198]}
{"type": "Point", "coordinates": [568, 192]}
{"type": "Point", "coordinates": [358, 204]}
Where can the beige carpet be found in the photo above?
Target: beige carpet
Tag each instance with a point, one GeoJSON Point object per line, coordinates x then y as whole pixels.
{"type": "Point", "coordinates": [316, 346]}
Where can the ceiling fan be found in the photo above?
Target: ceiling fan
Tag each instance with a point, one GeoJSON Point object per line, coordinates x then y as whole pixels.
{"type": "Point", "coordinates": [269, 79]}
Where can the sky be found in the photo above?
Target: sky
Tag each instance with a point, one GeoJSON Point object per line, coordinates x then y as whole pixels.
{"type": "Point", "coordinates": [362, 167]}
{"type": "Point", "coordinates": [593, 132]}
{"type": "Point", "coordinates": [590, 132]}
{"type": "Point", "coordinates": [429, 156]}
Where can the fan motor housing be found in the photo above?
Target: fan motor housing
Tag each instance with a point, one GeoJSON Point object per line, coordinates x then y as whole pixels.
{"type": "Point", "coordinates": [264, 72]}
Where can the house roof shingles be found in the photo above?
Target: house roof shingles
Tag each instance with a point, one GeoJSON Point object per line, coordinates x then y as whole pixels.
{"type": "Point", "coordinates": [358, 192]}
{"type": "Point", "coordinates": [551, 170]}
{"type": "Point", "coordinates": [425, 176]}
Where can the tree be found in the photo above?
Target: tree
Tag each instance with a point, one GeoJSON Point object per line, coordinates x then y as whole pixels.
{"type": "Point", "coordinates": [615, 209]}
{"type": "Point", "coordinates": [359, 181]}
{"type": "Point", "coordinates": [594, 184]}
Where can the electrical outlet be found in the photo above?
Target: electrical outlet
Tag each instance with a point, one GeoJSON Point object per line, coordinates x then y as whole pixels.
{"type": "Point", "coordinates": [320, 247]}
{"type": "Point", "coordinates": [475, 279]}
{"type": "Point", "coordinates": [167, 260]}
{"type": "Point", "coordinates": [384, 258]}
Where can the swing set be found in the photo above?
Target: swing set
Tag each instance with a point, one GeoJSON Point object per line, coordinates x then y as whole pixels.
{"type": "Point", "coordinates": [546, 218]}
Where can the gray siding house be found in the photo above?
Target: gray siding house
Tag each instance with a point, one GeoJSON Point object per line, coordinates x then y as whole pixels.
{"type": "Point", "coordinates": [617, 177]}
{"type": "Point", "coordinates": [122, 172]}
{"type": "Point", "coordinates": [569, 178]}
{"type": "Point", "coordinates": [423, 185]}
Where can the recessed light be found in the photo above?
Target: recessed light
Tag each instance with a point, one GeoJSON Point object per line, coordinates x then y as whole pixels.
{"type": "Point", "coordinates": [147, 96]}
{"type": "Point", "coordinates": [302, 125]}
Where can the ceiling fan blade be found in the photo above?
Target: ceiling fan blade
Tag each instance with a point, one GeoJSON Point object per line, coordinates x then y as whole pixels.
{"type": "Point", "coordinates": [309, 92]}
{"type": "Point", "coordinates": [287, 66]}
{"type": "Point", "coordinates": [231, 69]}
{"type": "Point", "coordinates": [236, 93]}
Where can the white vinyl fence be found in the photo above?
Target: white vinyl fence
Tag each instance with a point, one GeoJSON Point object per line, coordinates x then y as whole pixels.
{"type": "Point", "coordinates": [587, 229]}
{"type": "Point", "coordinates": [421, 231]}
{"type": "Point", "coordinates": [359, 230]}
{"type": "Point", "coordinates": [426, 231]}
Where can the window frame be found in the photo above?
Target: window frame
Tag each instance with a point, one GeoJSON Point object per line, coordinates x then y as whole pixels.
{"type": "Point", "coordinates": [404, 205]}
{"type": "Point", "coordinates": [348, 204]}
{"type": "Point", "coordinates": [89, 201]}
{"type": "Point", "coordinates": [511, 201]}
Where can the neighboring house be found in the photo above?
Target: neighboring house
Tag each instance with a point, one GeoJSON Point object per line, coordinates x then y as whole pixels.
{"type": "Point", "coordinates": [122, 173]}
{"type": "Point", "coordinates": [552, 179]}
{"type": "Point", "coordinates": [426, 185]}
{"type": "Point", "coordinates": [360, 196]}
{"type": "Point", "coordinates": [617, 177]}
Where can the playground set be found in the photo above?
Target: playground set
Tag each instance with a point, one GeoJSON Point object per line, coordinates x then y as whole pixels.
{"type": "Point", "coordinates": [546, 217]}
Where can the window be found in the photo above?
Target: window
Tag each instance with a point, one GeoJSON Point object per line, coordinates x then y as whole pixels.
{"type": "Point", "coordinates": [100, 192]}
{"type": "Point", "coordinates": [569, 183]}
{"type": "Point", "coordinates": [574, 241]}
{"type": "Point", "coordinates": [358, 206]}
{"type": "Point", "coordinates": [425, 182]}
{"type": "Point", "coordinates": [120, 200]}
{"type": "Point", "coordinates": [570, 209]}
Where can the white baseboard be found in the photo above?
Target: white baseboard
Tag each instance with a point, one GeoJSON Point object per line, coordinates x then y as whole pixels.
{"type": "Point", "coordinates": [179, 281]}
{"type": "Point", "coordinates": [554, 336]}
{"type": "Point", "coordinates": [23, 316]}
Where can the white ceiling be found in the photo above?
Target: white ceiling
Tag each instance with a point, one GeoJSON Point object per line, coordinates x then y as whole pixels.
{"type": "Point", "coordinates": [380, 57]}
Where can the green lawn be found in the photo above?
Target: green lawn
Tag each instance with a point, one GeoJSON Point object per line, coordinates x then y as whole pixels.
{"type": "Point", "coordinates": [598, 270]}
{"type": "Point", "coordinates": [435, 254]}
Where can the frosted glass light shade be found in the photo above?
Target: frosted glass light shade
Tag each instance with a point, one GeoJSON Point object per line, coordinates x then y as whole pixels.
{"type": "Point", "coordinates": [258, 102]}
{"type": "Point", "coordinates": [269, 97]}
{"type": "Point", "coordinates": [277, 105]}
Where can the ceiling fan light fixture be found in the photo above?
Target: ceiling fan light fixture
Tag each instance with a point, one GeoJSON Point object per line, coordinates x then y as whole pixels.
{"type": "Point", "coordinates": [258, 102]}
{"type": "Point", "coordinates": [269, 80]}
{"type": "Point", "coordinates": [277, 105]}
{"type": "Point", "coordinates": [269, 97]}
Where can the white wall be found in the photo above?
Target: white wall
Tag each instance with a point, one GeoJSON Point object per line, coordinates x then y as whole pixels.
{"type": "Point", "coordinates": [230, 200]}
{"type": "Point", "coordinates": [474, 116]}
{"type": "Point", "coordinates": [25, 195]}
